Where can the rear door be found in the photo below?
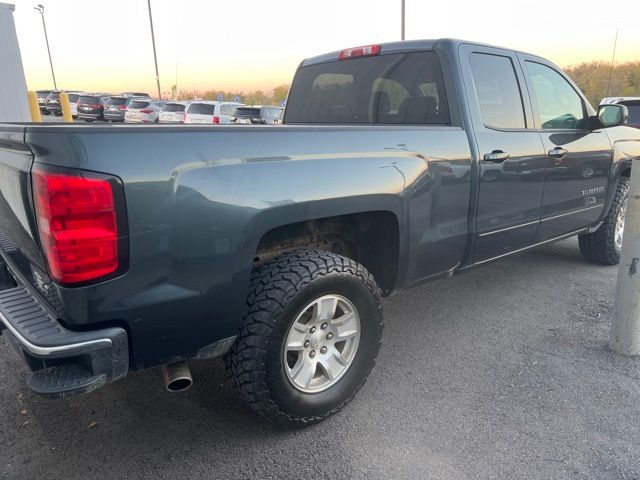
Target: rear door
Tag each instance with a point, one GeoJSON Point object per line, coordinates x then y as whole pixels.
{"type": "Point", "coordinates": [578, 160]}
{"type": "Point", "coordinates": [201, 113]}
{"type": "Point", "coordinates": [512, 159]}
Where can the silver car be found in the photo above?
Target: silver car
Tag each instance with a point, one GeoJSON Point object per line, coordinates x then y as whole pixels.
{"type": "Point", "coordinates": [173, 112]}
{"type": "Point", "coordinates": [144, 111]}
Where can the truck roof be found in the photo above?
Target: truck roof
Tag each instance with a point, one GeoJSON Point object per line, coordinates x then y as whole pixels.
{"type": "Point", "coordinates": [404, 46]}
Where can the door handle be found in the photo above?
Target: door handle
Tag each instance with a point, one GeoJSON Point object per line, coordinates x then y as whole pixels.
{"type": "Point", "coordinates": [558, 153]}
{"type": "Point", "coordinates": [497, 156]}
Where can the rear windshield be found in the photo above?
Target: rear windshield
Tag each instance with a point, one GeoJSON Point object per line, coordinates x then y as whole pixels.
{"type": "Point", "coordinates": [404, 88]}
{"type": "Point", "coordinates": [87, 99]}
{"type": "Point", "coordinates": [228, 109]}
{"type": "Point", "coordinates": [247, 112]}
{"type": "Point", "coordinates": [201, 109]}
{"type": "Point", "coordinates": [118, 101]}
{"type": "Point", "coordinates": [44, 94]}
{"type": "Point", "coordinates": [634, 112]}
{"type": "Point", "coordinates": [139, 104]}
{"type": "Point", "coordinates": [173, 107]}
{"type": "Point", "coordinates": [73, 97]}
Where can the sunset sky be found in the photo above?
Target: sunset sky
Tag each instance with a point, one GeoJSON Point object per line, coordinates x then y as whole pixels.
{"type": "Point", "coordinates": [102, 45]}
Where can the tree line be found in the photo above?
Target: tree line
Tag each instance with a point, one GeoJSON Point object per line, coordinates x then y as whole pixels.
{"type": "Point", "coordinates": [596, 79]}
{"type": "Point", "coordinates": [593, 80]}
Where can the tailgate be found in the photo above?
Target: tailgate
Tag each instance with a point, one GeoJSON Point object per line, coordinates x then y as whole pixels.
{"type": "Point", "coordinates": [17, 223]}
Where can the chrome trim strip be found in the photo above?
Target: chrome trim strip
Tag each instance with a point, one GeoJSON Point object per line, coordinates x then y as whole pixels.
{"type": "Point", "coordinates": [574, 211]}
{"type": "Point", "coordinates": [493, 232]}
{"type": "Point", "coordinates": [530, 247]}
{"type": "Point", "coordinates": [46, 351]}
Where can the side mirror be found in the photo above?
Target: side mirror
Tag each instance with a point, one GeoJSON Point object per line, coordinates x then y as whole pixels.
{"type": "Point", "coordinates": [612, 115]}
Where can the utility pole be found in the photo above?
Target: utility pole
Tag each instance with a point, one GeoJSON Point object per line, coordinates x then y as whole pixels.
{"type": "Point", "coordinates": [153, 42]}
{"type": "Point", "coordinates": [625, 326]}
{"type": "Point", "coordinates": [402, 19]}
{"type": "Point", "coordinates": [40, 8]}
{"type": "Point", "coordinates": [613, 57]}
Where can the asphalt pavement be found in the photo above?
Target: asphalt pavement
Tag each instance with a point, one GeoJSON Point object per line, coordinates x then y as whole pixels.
{"type": "Point", "coordinates": [503, 372]}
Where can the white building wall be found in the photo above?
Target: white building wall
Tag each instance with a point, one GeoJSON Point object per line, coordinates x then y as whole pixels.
{"type": "Point", "coordinates": [14, 104]}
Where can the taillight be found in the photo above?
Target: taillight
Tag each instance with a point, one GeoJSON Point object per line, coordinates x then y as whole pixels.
{"type": "Point", "coordinates": [216, 120]}
{"type": "Point", "coordinates": [146, 111]}
{"type": "Point", "coordinates": [95, 105]}
{"type": "Point", "coordinates": [78, 224]}
{"type": "Point", "coordinates": [122, 107]}
{"type": "Point", "coordinates": [186, 118]}
{"type": "Point", "coordinates": [364, 51]}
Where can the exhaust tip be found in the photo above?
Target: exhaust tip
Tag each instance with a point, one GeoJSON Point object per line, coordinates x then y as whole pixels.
{"type": "Point", "coordinates": [177, 376]}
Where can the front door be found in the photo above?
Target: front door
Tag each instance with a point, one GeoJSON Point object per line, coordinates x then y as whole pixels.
{"type": "Point", "coordinates": [578, 159]}
{"type": "Point", "coordinates": [511, 155]}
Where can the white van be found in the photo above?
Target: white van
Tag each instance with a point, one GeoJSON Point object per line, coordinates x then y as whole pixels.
{"type": "Point", "coordinates": [216, 113]}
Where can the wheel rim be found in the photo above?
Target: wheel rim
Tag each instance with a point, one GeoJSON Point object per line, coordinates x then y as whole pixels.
{"type": "Point", "coordinates": [322, 343]}
{"type": "Point", "coordinates": [619, 230]}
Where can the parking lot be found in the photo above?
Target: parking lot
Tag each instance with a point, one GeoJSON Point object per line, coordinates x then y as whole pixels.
{"type": "Point", "coordinates": [503, 372]}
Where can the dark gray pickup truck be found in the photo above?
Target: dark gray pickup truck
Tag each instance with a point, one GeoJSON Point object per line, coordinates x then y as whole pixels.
{"type": "Point", "coordinates": [130, 247]}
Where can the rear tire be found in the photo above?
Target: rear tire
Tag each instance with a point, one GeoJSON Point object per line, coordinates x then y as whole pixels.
{"type": "Point", "coordinates": [284, 322]}
{"type": "Point", "coordinates": [603, 245]}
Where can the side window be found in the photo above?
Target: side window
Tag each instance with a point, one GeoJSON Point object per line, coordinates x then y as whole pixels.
{"type": "Point", "coordinates": [559, 105]}
{"type": "Point", "coordinates": [498, 92]}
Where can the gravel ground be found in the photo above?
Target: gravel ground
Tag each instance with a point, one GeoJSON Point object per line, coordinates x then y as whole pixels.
{"type": "Point", "coordinates": [503, 372]}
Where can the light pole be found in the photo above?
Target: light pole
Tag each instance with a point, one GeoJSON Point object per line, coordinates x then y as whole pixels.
{"type": "Point", "coordinates": [401, 19]}
{"type": "Point", "coordinates": [40, 8]}
{"type": "Point", "coordinates": [153, 41]}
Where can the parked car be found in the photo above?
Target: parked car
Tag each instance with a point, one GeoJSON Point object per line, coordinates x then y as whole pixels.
{"type": "Point", "coordinates": [173, 112]}
{"type": "Point", "coordinates": [54, 106]}
{"type": "Point", "coordinates": [144, 111]}
{"type": "Point", "coordinates": [217, 113]}
{"type": "Point", "coordinates": [116, 107]}
{"type": "Point", "coordinates": [52, 103]}
{"type": "Point", "coordinates": [91, 106]}
{"type": "Point", "coordinates": [257, 116]}
{"type": "Point", "coordinates": [633, 107]}
{"type": "Point", "coordinates": [42, 100]}
{"type": "Point", "coordinates": [272, 247]}
{"type": "Point", "coordinates": [73, 103]}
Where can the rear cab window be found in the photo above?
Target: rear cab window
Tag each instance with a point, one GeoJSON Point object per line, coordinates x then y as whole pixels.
{"type": "Point", "coordinates": [399, 88]}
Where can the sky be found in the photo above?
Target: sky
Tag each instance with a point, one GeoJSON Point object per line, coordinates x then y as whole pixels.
{"type": "Point", "coordinates": [105, 45]}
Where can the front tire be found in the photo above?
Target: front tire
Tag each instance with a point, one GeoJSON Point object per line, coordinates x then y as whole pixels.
{"type": "Point", "coordinates": [603, 246]}
{"type": "Point", "coordinates": [310, 336]}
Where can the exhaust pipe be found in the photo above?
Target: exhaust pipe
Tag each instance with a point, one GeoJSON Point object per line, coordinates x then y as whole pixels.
{"type": "Point", "coordinates": [177, 376]}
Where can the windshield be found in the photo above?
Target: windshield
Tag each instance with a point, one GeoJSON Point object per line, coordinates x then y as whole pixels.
{"type": "Point", "coordinates": [173, 107]}
{"type": "Point", "coordinates": [405, 88]}
{"type": "Point", "coordinates": [88, 99]}
{"type": "Point", "coordinates": [201, 109]}
{"type": "Point", "coordinates": [634, 112]}
{"type": "Point", "coordinates": [138, 104]}
{"type": "Point", "coordinates": [118, 101]}
{"type": "Point", "coordinates": [247, 112]}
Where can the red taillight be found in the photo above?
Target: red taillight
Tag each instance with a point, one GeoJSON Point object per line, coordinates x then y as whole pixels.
{"type": "Point", "coordinates": [95, 105]}
{"type": "Point", "coordinates": [122, 107]}
{"type": "Point", "coordinates": [78, 226]}
{"type": "Point", "coordinates": [216, 120]}
{"type": "Point", "coordinates": [146, 111]}
{"type": "Point", "coordinates": [364, 51]}
{"type": "Point", "coordinates": [186, 118]}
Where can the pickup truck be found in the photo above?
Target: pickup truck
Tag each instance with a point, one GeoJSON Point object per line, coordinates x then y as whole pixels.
{"type": "Point", "coordinates": [130, 247]}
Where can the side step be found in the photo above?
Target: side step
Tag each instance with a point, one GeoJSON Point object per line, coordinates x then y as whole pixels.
{"type": "Point", "coordinates": [65, 380]}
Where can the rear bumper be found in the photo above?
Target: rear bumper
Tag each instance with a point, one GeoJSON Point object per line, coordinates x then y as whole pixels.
{"type": "Point", "coordinates": [114, 117]}
{"type": "Point", "coordinates": [63, 362]}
